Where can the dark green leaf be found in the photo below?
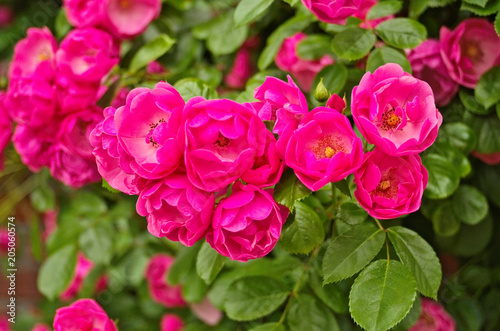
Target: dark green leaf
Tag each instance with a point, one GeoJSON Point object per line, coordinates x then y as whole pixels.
{"type": "Point", "coordinates": [57, 271]}
{"type": "Point", "coordinates": [96, 243]}
{"type": "Point", "coordinates": [248, 10]}
{"type": "Point", "coordinates": [343, 186]}
{"type": "Point", "coordinates": [497, 23]}
{"type": "Point", "coordinates": [487, 90]}
{"type": "Point", "coordinates": [36, 239]}
{"type": "Point", "coordinates": [479, 3]}
{"type": "Point", "coordinates": [304, 233]}
{"type": "Point", "coordinates": [419, 257]}
{"type": "Point", "coordinates": [192, 87]}
{"type": "Point", "coordinates": [314, 46]}
{"type": "Point", "coordinates": [331, 294]}
{"type": "Point", "coordinates": [253, 297]}
{"type": "Point", "coordinates": [290, 189]}
{"type": "Point", "coordinates": [184, 265]}
{"type": "Point", "coordinates": [151, 51]}
{"type": "Point", "coordinates": [385, 54]}
{"type": "Point", "coordinates": [444, 220]}
{"type": "Point", "coordinates": [383, 9]}
{"type": "Point", "coordinates": [412, 316]}
{"type": "Point", "coordinates": [402, 32]}
{"type": "Point", "coordinates": [469, 204]}
{"type": "Point", "coordinates": [352, 213]}
{"type": "Point", "coordinates": [43, 198]}
{"type": "Point", "coordinates": [209, 263]}
{"type": "Point", "coordinates": [334, 78]}
{"type": "Point", "coordinates": [492, 6]}
{"type": "Point", "coordinates": [382, 295]}
{"type": "Point", "coordinates": [487, 131]}
{"type": "Point", "coordinates": [307, 313]}
{"type": "Point", "coordinates": [460, 136]}
{"type": "Point", "coordinates": [269, 327]}
{"type": "Point", "coordinates": [194, 288]}
{"type": "Point", "coordinates": [443, 177]}
{"type": "Point", "coordinates": [471, 103]}
{"type": "Point", "coordinates": [467, 314]}
{"type": "Point", "coordinates": [353, 43]}
{"type": "Point", "coordinates": [351, 252]}
{"type": "Point", "coordinates": [224, 37]}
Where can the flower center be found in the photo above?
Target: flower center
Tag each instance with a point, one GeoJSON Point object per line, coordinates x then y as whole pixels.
{"type": "Point", "coordinates": [44, 55]}
{"type": "Point", "coordinates": [125, 4]}
{"type": "Point", "coordinates": [472, 50]}
{"type": "Point", "coordinates": [222, 141]}
{"type": "Point", "coordinates": [387, 187]}
{"type": "Point", "coordinates": [152, 127]}
{"type": "Point", "coordinates": [390, 120]}
{"type": "Point", "coordinates": [328, 146]}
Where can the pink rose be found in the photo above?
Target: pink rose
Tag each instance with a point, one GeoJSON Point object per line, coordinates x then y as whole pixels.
{"type": "Point", "coordinates": [49, 223]}
{"type": "Point", "coordinates": [4, 240]}
{"type": "Point", "coordinates": [390, 186]}
{"type": "Point", "coordinates": [5, 324]}
{"type": "Point", "coordinates": [146, 128]}
{"type": "Point", "coordinates": [466, 55]}
{"type": "Point", "coordinates": [41, 327]}
{"type": "Point", "coordinates": [6, 16]}
{"type": "Point", "coordinates": [221, 136]}
{"type": "Point", "coordinates": [395, 111]}
{"type": "Point", "coordinates": [5, 128]}
{"type": "Point", "coordinates": [433, 318]}
{"type": "Point", "coordinates": [324, 148]}
{"type": "Point", "coordinates": [491, 158]}
{"type": "Point", "coordinates": [427, 65]}
{"type": "Point", "coordinates": [247, 224]}
{"type": "Point", "coordinates": [108, 154]}
{"type": "Point", "coordinates": [83, 13]}
{"type": "Point", "coordinates": [171, 322]}
{"type": "Point", "coordinates": [337, 103]}
{"type": "Point", "coordinates": [72, 169]}
{"type": "Point", "coordinates": [86, 314]}
{"type": "Point", "coordinates": [176, 209]}
{"type": "Point", "coordinates": [82, 269]}
{"type": "Point", "coordinates": [337, 11]}
{"type": "Point", "coordinates": [155, 67]}
{"type": "Point", "coordinates": [302, 70]}
{"type": "Point", "coordinates": [156, 275]}
{"type": "Point", "coordinates": [206, 312]}
{"type": "Point", "coordinates": [243, 67]}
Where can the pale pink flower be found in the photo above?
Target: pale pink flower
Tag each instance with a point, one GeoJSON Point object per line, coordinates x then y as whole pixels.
{"type": "Point", "coordinates": [126, 19]}
{"type": "Point", "coordinates": [207, 312]}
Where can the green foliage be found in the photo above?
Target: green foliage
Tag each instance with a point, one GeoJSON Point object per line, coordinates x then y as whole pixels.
{"type": "Point", "coordinates": [384, 9]}
{"type": "Point", "coordinates": [352, 213]}
{"type": "Point", "coordinates": [334, 78]}
{"type": "Point", "coordinates": [487, 90]}
{"type": "Point", "coordinates": [443, 177]}
{"type": "Point", "coordinates": [289, 190]}
{"type": "Point", "coordinates": [353, 43]}
{"type": "Point", "coordinates": [385, 54]}
{"type": "Point", "coordinates": [248, 10]}
{"type": "Point", "coordinates": [307, 313]}
{"type": "Point", "coordinates": [314, 47]}
{"type": "Point", "coordinates": [192, 87]}
{"type": "Point", "coordinates": [402, 32]}
{"type": "Point", "coordinates": [57, 271]}
{"type": "Point", "coordinates": [469, 204]}
{"type": "Point", "coordinates": [209, 263]}
{"type": "Point", "coordinates": [151, 51]}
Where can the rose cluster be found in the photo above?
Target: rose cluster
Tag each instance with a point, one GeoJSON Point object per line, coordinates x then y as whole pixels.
{"type": "Point", "coordinates": [52, 97]}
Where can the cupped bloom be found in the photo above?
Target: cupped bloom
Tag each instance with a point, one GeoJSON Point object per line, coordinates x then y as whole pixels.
{"type": "Point", "coordinates": [301, 69]}
{"type": "Point", "coordinates": [171, 322]}
{"type": "Point", "coordinates": [324, 148]}
{"type": "Point", "coordinates": [82, 269]}
{"type": "Point", "coordinates": [395, 111]}
{"type": "Point", "coordinates": [147, 127]}
{"type": "Point", "coordinates": [337, 11]}
{"type": "Point", "coordinates": [156, 275]}
{"type": "Point", "coordinates": [83, 13]}
{"type": "Point", "coordinates": [469, 50]}
{"type": "Point", "coordinates": [126, 19]}
{"type": "Point", "coordinates": [433, 318]}
{"type": "Point", "coordinates": [427, 65]}
{"type": "Point", "coordinates": [220, 137]}
{"type": "Point", "coordinates": [86, 313]}
{"type": "Point", "coordinates": [176, 209]}
{"type": "Point", "coordinates": [247, 224]}
{"type": "Point", "coordinates": [390, 186]}
{"type": "Point", "coordinates": [5, 128]}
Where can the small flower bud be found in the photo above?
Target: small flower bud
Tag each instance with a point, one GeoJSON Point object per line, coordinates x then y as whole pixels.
{"type": "Point", "coordinates": [321, 93]}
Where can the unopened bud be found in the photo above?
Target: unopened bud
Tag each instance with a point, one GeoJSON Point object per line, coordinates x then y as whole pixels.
{"type": "Point", "coordinates": [321, 93]}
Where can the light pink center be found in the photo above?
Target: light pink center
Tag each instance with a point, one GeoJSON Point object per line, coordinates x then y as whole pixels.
{"type": "Point", "coordinates": [149, 137]}
{"type": "Point", "coordinates": [390, 120]}
{"type": "Point", "coordinates": [328, 146]}
{"type": "Point", "coordinates": [387, 187]}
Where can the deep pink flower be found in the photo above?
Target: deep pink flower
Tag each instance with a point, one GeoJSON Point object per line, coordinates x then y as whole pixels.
{"type": "Point", "coordinates": [6, 15]}
{"type": "Point", "coordinates": [324, 148]}
{"type": "Point", "coordinates": [49, 223]}
{"type": "Point", "coordinates": [337, 103]}
{"type": "Point", "coordinates": [82, 269]}
{"type": "Point", "coordinates": [337, 11]}
{"type": "Point", "coordinates": [220, 136]}
{"type": "Point", "coordinates": [176, 209]}
{"type": "Point", "coordinates": [390, 186]}
{"type": "Point", "coordinates": [146, 128]}
{"type": "Point", "coordinates": [470, 50]}
{"type": "Point", "coordinates": [129, 18]}
{"type": "Point", "coordinates": [395, 111]}
{"type": "Point", "coordinates": [302, 70]}
{"type": "Point", "coordinates": [108, 154]}
{"type": "Point", "coordinates": [433, 318]}
{"type": "Point", "coordinates": [86, 314]}
{"type": "Point", "coordinates": [206, 312]}
{"type": "Point", "coordinates": [83, 13]}
{"type": "Point", "coordinates": [247, 224]}
{"type": "Point", "coordinates": [427, 65]}
{"type": "Point", "coordinates": [155, 67]}
{"type": "Point", "coordinates": [72, 169]}
{"type": "Point", "coordinates": [156, 275]}
{"type": "Point", "coordinates": [41, 327]}
{"type": "Point", "coordinates": [243, 67]}
{"type": "Point", "coordinates": [171, 322]}
{"type": "Point", "coordinates": [4, 241]}
{"type": "Point", "coordinates": [5, 128]}
{"type": "Point", "coordinates": [491, 158]}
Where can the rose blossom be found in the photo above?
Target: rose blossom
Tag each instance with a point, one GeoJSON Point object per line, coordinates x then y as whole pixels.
{"type": "Point", "coordinates": [243, 67]}
{"type": "Point", "coordinates": [433, 318]}
{"type": "Point", "coordinates": [83, 13]}
{"type": "Point", "coordinates": [171, 322]}
{"type": "Point", "coordinates": [86, 313]}
{"type": "Point", "coordinates": [324, 148]}
{"type": "Point", "coordinates": [220, 136]}
{"type": "Point", "coordinates": [337, 11]}
{"type": "Point", "coordinates": [156, 275]}
{"type": "Point", "coordinates": [469, 50]}
{"type": "Point", "coordinates": [41, 327]}
{"type": "Point", "coordinates": [302, 70]}
{"type": "Point", "coordinates": [395, 111]}
{"type": "Point", "coordinates": [82, 269]}
{"type": "Point", "coordinates": [5, 128]}
{"type": "Point", "coordinates": [4, 240]}
{"type": "Point", "coordinates": [490, 158]}
{"type": "Point", "coordinates": [6, 16]}
{"type": "Point", "coordinates": [176, 209]}
{"type": "Point", "coordinates": [390, 186]}
{"type": "Point", "coordinates": [427, 65]}
{"type": "Point", "coordinates": [247, 224]}
{"type": "Point", "coordinates": [146, 128]}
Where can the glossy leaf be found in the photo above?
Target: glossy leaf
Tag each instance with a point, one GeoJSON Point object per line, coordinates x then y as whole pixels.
{"type": "Point", "coordinates": [57, 271]}
{"type": "Point", "coordinates": [209, 263]}
{"type": "Point", "coordinates": [353, 43]}
{"type": "Point", "coordinates": [402, 32]}
{"type": "Point", "coordinates": [352, 213]}
{"type": "Point", "coordinates": [307, 313]}
{"type": "Point", "coordinates": [151, 51]}
{"type": "Point", "coordinates": [469, 204]}
{"type": "Point", "coordinates": [97, 245]}
{"type": "Point", "coordinates": [290, 189]}
{"type": "Point", "coordinates": [248, 10]}
{"type": "Point", "coordinates": [384, 9]}
{"type": "Point", "coordinates": [487, 90]}
{"type": "Point", "coordinates": [382, 55]}
{"type": "Point", "coordinates": [443, 177]}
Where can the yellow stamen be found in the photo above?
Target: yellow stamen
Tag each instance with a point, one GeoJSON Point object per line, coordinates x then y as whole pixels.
{"type": "Point", "coordinates": [125, 4]}
{"type": "Point", "coordinates": [329, 152]}
{"type": "Point", "coordinates": [384, 185]}
{"type": "Point", "coordinates": [392, 120]}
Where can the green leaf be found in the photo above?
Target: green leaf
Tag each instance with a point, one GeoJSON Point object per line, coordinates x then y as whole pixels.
{"type": "Point", "coordinates": [460, 136]}
{"type": "Point", "coordinates": [354, 43]}
{"type": "Point", "coordinates": [189, 88]}
{"type": "Point", "coordinates": [497, 23]}
{"type": "Point", "coordinates": [402, 32]}
{"type": "Point", "coordinates": [43, 198]}
{"type": "Point", "coordinates": [269, 327]}
{"type": "Point", "coordinates": [184, 265]}
{"type": "Point", "coordinates": [471, 103]}
{"type": "Point", "coordinates": [224, 37]}
{"type": "Point", "coordinates": [488, 178]}
{"type": "Point", "coordinates": [351, 252]}
{"type": "Point", "coordinates": [479, 3]}
{"type": "Point", "coordinates": [469, 204]}
{"type": "Point", "coordinates": [487, 131]}
{"type": "Point", "coordinates": [331, 294]}
{"type": "Point", "coordinates": [491, 7]}
{"type": "Point", "coordinates": [412, 316]}
{"type": "Point", "coordinates": [209, 263]}
{"type": "Point", "coordinates": [57, 271]}
{"type": "Point", "coordinates": [314, 46]}
{"type": "Point", "coordinates": [151, 51]}
{"type": "Point", "coordinates": [61, 24]}
{"type": "Point", "coordinates": [444, 220]}
{"type": "Point", "coordinates": [343, 186]}
{"type": "Point", "coordinates": [382, 295]}
{"type": "Point", "coordinates": [290, 189]}
{"type": "Point", "coordinates": [194, 288]}
{"type": "Point", "coordinates": [467, 314]}
{"type": "Point", "coordinates": [383, 9]}
{"type": "Point", "coordinates": [385, 54]}
{"type": "Point", "coordinates": [419, 257]}
{"type": "Point", "coordinates": [334, 78]}
{"type": "Point", "coordinates": [307, 313]}
{"type": "Point", "coordinates": [304, 233]}
{"type": "Point", "coordinates": [36, 239]}
{"type": "Point", "coordinates": [443, 177]}
{"type": "Point", "coordinates": [352, 213]}
{"type": "Point", "coordinates": [253, 297]}
{"type": "Point", "coordinates": [487, 90]}
{"type": "Point", "coordinates": [97, 245]}
{"type": "Point", "coordinates": [248, 10]}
